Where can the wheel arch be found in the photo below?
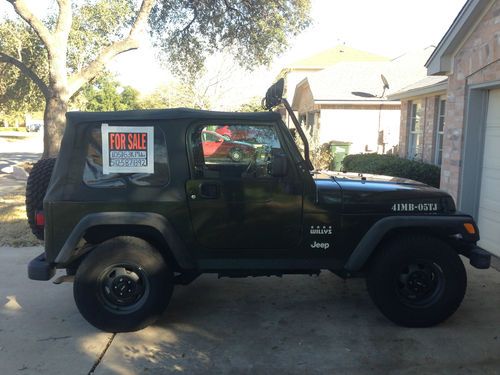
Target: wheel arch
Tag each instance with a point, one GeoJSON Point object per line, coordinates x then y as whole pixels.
{"type": "Point", "coordinates": [151, 227]}
{"type": "Point", "coordinates": [442, 227]}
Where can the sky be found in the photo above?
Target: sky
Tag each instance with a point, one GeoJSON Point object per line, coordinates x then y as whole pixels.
{"type": "Point", "coordinates": [385, 27]}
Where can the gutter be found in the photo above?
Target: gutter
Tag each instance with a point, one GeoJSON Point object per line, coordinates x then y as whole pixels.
{"type": "Point", "coordinates": [421, 91]}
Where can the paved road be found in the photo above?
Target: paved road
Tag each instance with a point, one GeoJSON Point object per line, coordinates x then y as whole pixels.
{"type": "Point", "coordinates": [14, 150]}
{"type": "Point", "coordinates": [289, 325]}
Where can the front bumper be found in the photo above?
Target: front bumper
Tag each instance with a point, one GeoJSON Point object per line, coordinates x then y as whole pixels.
{"type": "Point", "coordinates": [479, 258]}
{"type": "Point", "coordinates": [40, 269]}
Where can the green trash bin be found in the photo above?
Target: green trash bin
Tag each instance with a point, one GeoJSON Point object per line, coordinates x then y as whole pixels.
{"type": "Point", "coordinates": [339, 151]}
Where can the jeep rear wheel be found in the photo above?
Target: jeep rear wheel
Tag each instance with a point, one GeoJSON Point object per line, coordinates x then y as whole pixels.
{"type": "Point", "coordinates": [36, 187]}
{"type": "Point", "coordinates": [417, 281]}
{"type": "Point", "coordinates": [123, 285]}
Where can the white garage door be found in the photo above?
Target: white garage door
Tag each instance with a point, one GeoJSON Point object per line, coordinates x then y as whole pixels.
{"type": "Point", "coordinates": [489, 201]}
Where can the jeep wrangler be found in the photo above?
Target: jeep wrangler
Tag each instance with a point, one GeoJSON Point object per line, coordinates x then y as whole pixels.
{"type": "Point", "coordinates": [139, 201]}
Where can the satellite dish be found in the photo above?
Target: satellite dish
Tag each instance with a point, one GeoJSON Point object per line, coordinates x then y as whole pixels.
{"type": "Point", "coordinates": [386, 84]}
{"type": "Point", "coordinates": [384, 80]}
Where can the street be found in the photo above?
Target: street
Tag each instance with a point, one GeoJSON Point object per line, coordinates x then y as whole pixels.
{"type": "Point", "coordinates": [17, 148]}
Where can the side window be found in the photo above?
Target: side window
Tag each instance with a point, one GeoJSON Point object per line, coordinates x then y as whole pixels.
{"type": "Point", "coordinates": [233, 150]}
{"type": "Point", "coordinates": [415, 130]}
{"type": "Point", "coordinates": [93, 175]}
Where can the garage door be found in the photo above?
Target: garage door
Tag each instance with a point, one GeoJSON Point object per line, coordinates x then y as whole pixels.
{"type": "Point", "coordinates": [489, 201]}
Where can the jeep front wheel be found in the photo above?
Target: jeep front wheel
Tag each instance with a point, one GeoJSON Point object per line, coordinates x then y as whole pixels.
{"type": "Point", "coordinates": [417, 281]}
{"type": "Point", "coordinates": [123, 285]}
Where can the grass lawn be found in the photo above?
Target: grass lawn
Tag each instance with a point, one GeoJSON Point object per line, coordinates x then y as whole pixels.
{"type": "Point", "coordinates": [14, 229]}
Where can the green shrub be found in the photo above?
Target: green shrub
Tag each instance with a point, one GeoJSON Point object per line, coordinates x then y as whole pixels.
{"type": "Point", "coordinates": [395, 166]}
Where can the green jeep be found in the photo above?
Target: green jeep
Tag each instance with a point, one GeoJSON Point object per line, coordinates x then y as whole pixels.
{"type": "Point", "coordinates": [139, 201]}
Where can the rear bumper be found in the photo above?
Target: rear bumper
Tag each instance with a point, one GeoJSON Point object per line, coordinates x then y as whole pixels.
{"type": "Point", "coordinates": [479, 258]}
{"type": "Point", "coordinates": [40, 269]}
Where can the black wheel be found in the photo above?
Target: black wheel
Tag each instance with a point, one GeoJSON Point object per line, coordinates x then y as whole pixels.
{"type": "Point", "coordinates": [417, 281]}
{"type": "Point", "coordinates": [36, 187]}
{"type": "Point", "coordinates": [123, 285]}
{"type": "Point", "coordinates": [236, 154]}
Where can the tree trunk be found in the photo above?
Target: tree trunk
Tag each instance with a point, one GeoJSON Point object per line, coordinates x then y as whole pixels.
{"type": "Point", "coordinates": [54, 119]}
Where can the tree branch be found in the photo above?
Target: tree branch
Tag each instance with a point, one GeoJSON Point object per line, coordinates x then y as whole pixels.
{"type": "Point", "coordinates": [64, 20]}
{"type": "Point", "coordinates": [195, 16]}
{"type": "Point", "coordinates": [26, 71]}
{"type": "Point", "coordinates": [131, 42]}
{"type": "Point", "coordinates": [40, 29]}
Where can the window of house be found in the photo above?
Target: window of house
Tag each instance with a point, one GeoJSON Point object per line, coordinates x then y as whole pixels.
{"type": "Point", "coordinates": [440, 131]}
{"type": "Point", "coordinates": [233, 151]}
{"type": "Point", "coordinates": [415, 130]}
{"type": "Point", "coordinates": [94, 176]}
{"type": "Point", "coordinates": [302, 119]}
{"type": "Point", "coordinates": [311, 122]}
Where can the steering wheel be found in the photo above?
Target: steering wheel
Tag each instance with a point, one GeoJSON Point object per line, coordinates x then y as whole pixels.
{"type": "Point", "coordinates": [252, 164]}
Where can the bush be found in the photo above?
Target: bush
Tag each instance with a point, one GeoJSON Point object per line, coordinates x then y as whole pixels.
{"type": "Point", "coordinates": [395, 166]}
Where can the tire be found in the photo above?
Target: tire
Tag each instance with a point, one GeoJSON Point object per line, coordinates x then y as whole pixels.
{"type": "Point", "coordinates": [111, 268]}
{"type": "Point", "coordinates": [36, 187]}
{"type": "Point", "coordinates": [417, 281]}
{"type": "Point", "coordinates": [236, 155]}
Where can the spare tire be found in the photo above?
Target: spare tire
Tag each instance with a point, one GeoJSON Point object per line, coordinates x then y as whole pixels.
{"type": "Point", "coordinates": [36, 187]}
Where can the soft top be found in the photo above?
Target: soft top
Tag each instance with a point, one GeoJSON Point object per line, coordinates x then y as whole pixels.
{"type": "Point", "coordinates": [174, 113]}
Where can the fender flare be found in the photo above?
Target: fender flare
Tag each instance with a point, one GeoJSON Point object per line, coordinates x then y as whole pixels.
{"type": "Point", "coordinates": [147, 219]}
{"type": "Point", "coordinates": [447, 225]}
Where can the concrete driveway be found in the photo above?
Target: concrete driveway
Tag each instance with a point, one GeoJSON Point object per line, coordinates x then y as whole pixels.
{"type": "Point", "coordinates": [289, 325]}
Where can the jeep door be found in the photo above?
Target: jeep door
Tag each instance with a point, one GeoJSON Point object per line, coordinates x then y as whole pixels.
{"type": "Point", "coordinates": [234, 201]}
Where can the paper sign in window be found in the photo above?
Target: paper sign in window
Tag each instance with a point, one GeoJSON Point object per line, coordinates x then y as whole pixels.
{"type": "Point", "coordinates": [127, 149]}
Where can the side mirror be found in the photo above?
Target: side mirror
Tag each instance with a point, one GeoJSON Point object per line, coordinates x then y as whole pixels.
{"type": "Point", "coordinates": [274, 94]}
{"type": "Point", "coordinates": [278, 167]}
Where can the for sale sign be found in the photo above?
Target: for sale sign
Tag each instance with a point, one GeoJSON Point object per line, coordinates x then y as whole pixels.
{"type": "Point", "coordinates": [127, 149]}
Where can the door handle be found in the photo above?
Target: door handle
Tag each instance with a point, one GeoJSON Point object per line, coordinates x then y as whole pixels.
{"type": "Point", "coordinates": [209, 190]}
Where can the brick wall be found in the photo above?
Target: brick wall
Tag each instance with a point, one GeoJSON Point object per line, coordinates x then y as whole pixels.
{"type": "Point", "coordinates": [477, 61]}
{"type": "Point", "coordinates": [429, 128]}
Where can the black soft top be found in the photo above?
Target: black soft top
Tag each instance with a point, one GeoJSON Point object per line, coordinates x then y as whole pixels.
{"type": "Point", "coordinates": [174, 113]}
{"type": "Point", "coordinates": [66, 180]}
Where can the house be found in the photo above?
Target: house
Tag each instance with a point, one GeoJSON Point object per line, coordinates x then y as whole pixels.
{"type": "Point", "coordinates": [298, 70]}
{"type": "Point", "coordinates": [469, 55]}
{"type": "Point", "coordinates": [347, 103]}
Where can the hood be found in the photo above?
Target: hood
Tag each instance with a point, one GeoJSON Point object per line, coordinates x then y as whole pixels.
{"type": "Point", "coordinates": [364, 177]}
{"type": "Point", "coordinates": [365, 193]}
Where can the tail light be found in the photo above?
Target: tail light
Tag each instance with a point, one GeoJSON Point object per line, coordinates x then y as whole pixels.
{"type": "Point", "coordinates": [39, 218]}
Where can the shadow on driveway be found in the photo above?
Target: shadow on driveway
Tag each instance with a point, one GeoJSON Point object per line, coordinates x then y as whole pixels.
{"type": "Point", "coordinates": [306, 325]}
